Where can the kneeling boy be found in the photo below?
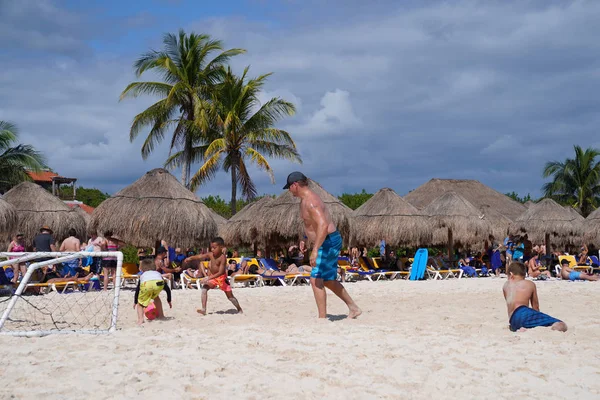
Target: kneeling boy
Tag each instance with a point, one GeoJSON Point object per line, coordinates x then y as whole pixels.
{"type": "Point", "coordinates": [518, 293]}
{"type": "Point", "coordinates": [149, 287]}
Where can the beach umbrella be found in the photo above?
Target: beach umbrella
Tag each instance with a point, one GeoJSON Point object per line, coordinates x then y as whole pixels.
{"type": "Point", "coordinates": [591, 227]}
{"type": "Point", "coordinates": [528, 203]}
{"type": "Point", "coordinates": [547, 219]}
{"type": "Point", "coordinates": [388, 216]}
{"type": "Point", "coordinates": [283, 225]}
{"type": "Point", "coordinates": [499, 223]}
{"type": "Point", "coordinates": [153, 208]}
{"type": "Point", "coordinates": [219, 220]}
{"type": "Point", "coordinates": [37, 207]}
{"type": "Point", "coordinates": [473, 191]}
{"type": "Point", "coordinates": [8, 221]}
{"type": "Point", "coordinates": [454, 219]}
{"type": "Point", "coordinates": [245, 227]}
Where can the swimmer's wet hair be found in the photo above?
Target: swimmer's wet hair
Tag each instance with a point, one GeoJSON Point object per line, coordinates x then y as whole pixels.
{"type": "Point", "coordinates": [517, 268]}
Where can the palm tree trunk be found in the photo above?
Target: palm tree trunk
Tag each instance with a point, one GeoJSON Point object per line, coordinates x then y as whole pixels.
{"type": "Point", "coordinates": [186, 164]}
{"type": "Point", "coordinates": [233, 190]}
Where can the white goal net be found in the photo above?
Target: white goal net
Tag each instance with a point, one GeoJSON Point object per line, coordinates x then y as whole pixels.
{"type": "Point", "coordinates": [76, 304]}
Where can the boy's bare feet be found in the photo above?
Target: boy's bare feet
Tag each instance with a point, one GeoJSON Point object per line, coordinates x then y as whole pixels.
{"type": "Point", "coordinates": [354, 313]}
{"type": "Point", "coordinates": [199, 311]}
{"type": "Point", "coordinates": [140, 322]}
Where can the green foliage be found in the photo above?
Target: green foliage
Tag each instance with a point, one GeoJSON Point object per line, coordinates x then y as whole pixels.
{"type": "Point", "coordinates": [90, 196]}
{"type": "Point", "coordinates": [16, 159]}
{"type": "Point", "coordinates": [515, 196]}
{"type": "Point", "coordinates": [189, 76]}
{"type": "Point", "coordinates": [575, 181]}
{"type": "Point", "coordinates": [355, 200]}
{"type": "Point", "coordinates": [129, 254]}
{"type": "Point", "coordinates": [223, 208]}
{"type": "Point", "coordinates": [241, 132]}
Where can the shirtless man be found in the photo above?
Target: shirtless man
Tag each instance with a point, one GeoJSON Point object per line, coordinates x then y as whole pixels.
{"type": "Point", "coordinates": [70, 268]}
{"type": "Point", "coordinates": [518, 293]}
{"type": "Point", "coordinates": [327, 243]}
{"type": "Point", "coordinates": [533, 266]}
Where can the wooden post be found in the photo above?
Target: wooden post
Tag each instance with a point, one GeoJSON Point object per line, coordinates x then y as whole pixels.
{"type": "Point", "coordinates": [74, 191]}
{"type": "Point", "coordinates": [548, 252]}
{"type": "Point", "coordinates": [450, 247]}
{"type": "Point", "coordinates": [53, 188]}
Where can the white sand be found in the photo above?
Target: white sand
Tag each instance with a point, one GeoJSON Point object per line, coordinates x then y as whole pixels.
{"type": "Point", "coordinates": [415, 340]}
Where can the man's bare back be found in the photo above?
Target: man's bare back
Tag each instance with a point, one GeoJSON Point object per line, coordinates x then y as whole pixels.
{"type": "Point", "coordinates": [520, 293]}
{"type": "Point", "coordinates": [70, 244]}
{"type": "Point", "coordinates": [310, 224]}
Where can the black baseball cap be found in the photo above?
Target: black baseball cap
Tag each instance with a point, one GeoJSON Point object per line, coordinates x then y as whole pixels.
{"type": "Point", "coordinates": [294, 177]}
{"type": "Point", "coordinates": [161, 250]}
{"type": "Point", "coordinates": [565, 261]}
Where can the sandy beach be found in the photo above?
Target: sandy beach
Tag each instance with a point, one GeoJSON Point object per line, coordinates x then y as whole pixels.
{"type": "Point", "coordinates": [415, 340]}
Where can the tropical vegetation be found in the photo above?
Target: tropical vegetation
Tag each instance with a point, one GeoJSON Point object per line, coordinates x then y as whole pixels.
{"type": "Point", "coordinates": [16, 159]}
{"type": "Point", "coordinates": [575, 181]}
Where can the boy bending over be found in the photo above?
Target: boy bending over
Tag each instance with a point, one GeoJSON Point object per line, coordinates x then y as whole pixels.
{"type": "Point", "coordinates": [150, 285]}
{"type": "Point", "coordinates": [518, 293]}
{"type": "Point", "coordinates": [217, 274]}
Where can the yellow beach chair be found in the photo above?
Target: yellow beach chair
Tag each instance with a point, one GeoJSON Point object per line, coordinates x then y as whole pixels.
{"type": "Point", "coordinates": [572, 265]}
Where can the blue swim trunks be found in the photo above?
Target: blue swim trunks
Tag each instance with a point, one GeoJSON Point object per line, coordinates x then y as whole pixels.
{"type": "Point", "coordinates": [574, 275]}
{"type": "Point", "coordinates": [327, 258]}
{"type": "Point", "coordinates": [525, 317]}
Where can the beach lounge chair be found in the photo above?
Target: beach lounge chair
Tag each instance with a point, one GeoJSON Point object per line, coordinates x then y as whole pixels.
{"type": "Point", "coordinates": [350, 273]}
{"type": "Point", "coordinates": [246, 280]}
{"type": "Point", "coordinates": [370, 273]}
{"type": "Point", "coordinates": [376, 262]}
{"type": "Point", "coordinates": [129, 274]}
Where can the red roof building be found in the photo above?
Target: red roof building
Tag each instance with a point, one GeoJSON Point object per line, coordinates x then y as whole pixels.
{"type": "Point", "coordinates": [52, 181]}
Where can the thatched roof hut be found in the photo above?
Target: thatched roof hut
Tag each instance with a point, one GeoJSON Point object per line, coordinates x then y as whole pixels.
{"type": "Point", "coordinates": [155, 207]}
{"type": "Point", "coordinates": [8, 221]}
{"type": "Point", "coordinates": [219, 220]}
{"type": "Point", "coordinates": [473, 191]}
{"type": "Point", "coordinates": [500, 224]}
{"type": "Point", "coordinates": [453, 218]}
{"type": "Point", "coordinates": [245, 228]}
{"type": "Point", "coordinates": [591, 227]}
{"type": "Point", "coordinates": [578, 217]}
{"type": "Point", "coordinates": [528, 203]}
{"type": "Point", "coordinates": [37, 207]}
{"type": "Point", "coordinates": [281, 222]}
{"type": "Point", "coordinates": [388, 216]}
{"type": "Point", "coordinates": [547, 219]}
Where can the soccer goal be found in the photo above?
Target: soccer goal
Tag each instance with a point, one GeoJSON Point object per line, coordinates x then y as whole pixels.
{"type": "Point", "coordinates": [77, 305]}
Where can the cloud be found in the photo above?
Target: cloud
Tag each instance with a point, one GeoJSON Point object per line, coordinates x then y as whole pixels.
{"type": "Point", "coordinates": [388, 94]}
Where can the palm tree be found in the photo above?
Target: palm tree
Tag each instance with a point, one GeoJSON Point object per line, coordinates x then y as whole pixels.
{"type": "Point", "coordinates": [575, 182]}
{"type": "Point", "coordinates": [243, 131]}
{"type": "Point", "coordinates": [189, 78]}
{"type": "Point", "coordinates": [15, 161]}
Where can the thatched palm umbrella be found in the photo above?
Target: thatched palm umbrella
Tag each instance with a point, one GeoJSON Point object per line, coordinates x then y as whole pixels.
{"type": "Point", "coordinates": [244, 228]}
{"type": "Point", "coordinates": [473, 191]}
{"type": "Point", "coordinates": [388, 216]}
{"type": "Point", "coordinates": [37, 207]}
{"type": "Point", "coordinates": [281, 222]}
{"type": "Point", "coordinates": [528, 203]}
{"type": "Point", "coordinates": [219, 220]}
{"type": "Point", "coordinates": [591, 227]}
{"type": "Point", "coordinates": [155, 207]}
{"type": "Point", "coordinates": [453, 218]}
{"type": "Point", "coordinates": [8, 221]}
{"type": "Point", "coordinates": [498, 221]}
{"type": "Point", "coordinates": [547, 219]}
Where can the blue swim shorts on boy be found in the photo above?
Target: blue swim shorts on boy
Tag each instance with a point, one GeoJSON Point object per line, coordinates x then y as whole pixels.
{"type": "Point", "coordinates": [525, 317]}
{"type": "Point", "coordinates": [574, 275]}
{"type": "Point", "coordinates": [327, 258]}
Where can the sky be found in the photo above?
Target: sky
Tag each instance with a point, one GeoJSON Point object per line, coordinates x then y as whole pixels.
{"type": "Point", "coordinates": [388, 93]}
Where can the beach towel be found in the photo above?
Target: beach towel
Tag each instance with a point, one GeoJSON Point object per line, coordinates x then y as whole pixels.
{"type": "Point", "coordinates": [525, 317]}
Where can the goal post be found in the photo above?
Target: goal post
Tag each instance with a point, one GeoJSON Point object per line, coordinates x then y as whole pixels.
{"type": "Point", "coordinates": [84, 309]}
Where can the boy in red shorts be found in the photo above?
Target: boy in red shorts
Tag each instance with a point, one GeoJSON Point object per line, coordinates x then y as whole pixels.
{"type": "Point", "coordinates": [217, 274]}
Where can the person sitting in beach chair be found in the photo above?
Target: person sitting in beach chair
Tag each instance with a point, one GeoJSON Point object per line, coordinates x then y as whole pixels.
{"type": "Point", "coordinates": [464, 263]}
{"type": "Point", "coordinates": [582, 257]}
{"type": "Point", "coordinates": [568, 273]}
{"type": "Point", "coordinates": [519, 293]}
{"type": "Point", "coordinates": [533, 268]}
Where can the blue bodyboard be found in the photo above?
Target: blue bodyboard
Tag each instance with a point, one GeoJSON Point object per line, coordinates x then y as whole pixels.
{"type": "Point", "coordinates": [419, 265]}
